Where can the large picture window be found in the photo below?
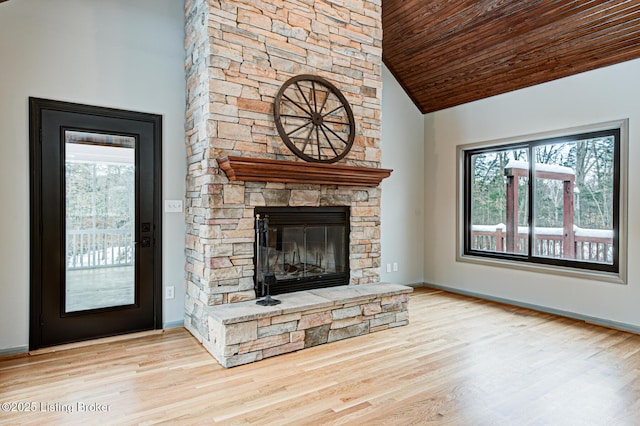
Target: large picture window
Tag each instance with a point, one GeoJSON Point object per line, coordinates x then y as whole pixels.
{"type": "Point", "coordinates": [552, 200]}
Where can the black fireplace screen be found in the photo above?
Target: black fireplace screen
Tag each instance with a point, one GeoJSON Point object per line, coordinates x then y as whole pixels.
{"type": "Point", "coordinates": [305, 248]}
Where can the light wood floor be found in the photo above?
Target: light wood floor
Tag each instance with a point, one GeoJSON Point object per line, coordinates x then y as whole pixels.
{"type": "Point", "coordinates": [461, 361]}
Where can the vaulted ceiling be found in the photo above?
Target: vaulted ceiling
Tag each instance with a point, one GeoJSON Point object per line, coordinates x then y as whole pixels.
{"type": "Point", "coordinates": [446, 53]}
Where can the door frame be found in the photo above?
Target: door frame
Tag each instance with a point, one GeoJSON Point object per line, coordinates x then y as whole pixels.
{"type": "Point", "coordinates": [36, 106]}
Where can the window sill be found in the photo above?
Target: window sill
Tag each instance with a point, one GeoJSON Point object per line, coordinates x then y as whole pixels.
{"type": "Point", "coordinates": [610, 277]}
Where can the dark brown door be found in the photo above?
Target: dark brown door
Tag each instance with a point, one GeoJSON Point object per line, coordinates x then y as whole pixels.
{"type": "Point", "coordinates": [95, 222]}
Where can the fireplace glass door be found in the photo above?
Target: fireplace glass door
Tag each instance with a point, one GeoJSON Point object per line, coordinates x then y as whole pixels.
{"type": "Point", "coordinates": [307, 255]}
{"type": "Point", "coordinates": [302, 252]}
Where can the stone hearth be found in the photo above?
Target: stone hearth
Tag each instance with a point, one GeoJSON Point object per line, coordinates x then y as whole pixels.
{"type": "Point", "coordinates": [245, 332]}
{"type": "Point", "coordinates": [239, 53]}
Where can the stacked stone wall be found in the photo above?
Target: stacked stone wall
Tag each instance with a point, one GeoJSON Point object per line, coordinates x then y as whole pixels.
{"type": "Point", "coordinates": [239, 53]}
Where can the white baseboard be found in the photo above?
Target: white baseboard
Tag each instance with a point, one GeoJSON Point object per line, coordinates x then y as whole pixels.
{"type": "Point", "coordinates": [173, 324]}
{"type": "Point", "coordinates": [14, 351]}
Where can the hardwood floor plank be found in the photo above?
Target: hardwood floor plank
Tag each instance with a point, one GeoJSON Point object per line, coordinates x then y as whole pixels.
{"type": "Point", "coordinates": [460, 361]}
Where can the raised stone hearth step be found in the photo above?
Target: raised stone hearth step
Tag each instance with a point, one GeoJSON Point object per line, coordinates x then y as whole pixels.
{"type": "Point", "coordinates": [240, 333]}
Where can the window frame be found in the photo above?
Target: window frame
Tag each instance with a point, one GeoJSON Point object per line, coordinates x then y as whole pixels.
{"type": "Point", "coordinates": [615, 272]}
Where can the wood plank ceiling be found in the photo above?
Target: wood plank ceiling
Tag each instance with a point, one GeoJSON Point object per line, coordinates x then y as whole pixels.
{"type": "Point", "coordinates": [446, 53]}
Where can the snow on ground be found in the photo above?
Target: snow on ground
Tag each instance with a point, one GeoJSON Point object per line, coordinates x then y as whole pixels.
{"type": "Point", "coordinates": [579, 232]}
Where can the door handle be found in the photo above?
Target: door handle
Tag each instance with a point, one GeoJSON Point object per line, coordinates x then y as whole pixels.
{"type": "Point", "coordinates": [145, 242]}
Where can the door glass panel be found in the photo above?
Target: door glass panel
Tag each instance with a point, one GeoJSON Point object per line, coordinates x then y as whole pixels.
{"type": "Point", "coordinates": [100, 220]}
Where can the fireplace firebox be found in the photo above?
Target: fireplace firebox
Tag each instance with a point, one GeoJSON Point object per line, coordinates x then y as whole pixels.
{"type": "Point", "coordinates": [303, 247]}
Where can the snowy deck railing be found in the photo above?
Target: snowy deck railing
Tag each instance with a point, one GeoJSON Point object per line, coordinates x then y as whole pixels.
{"type": "Point", "coordinates": [594, 245]}
{"type": "Point", "coordinates": [99, 248]}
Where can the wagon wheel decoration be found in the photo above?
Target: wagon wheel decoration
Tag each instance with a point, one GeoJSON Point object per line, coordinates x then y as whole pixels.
{"type": "Point", "coordinates": [314, 119]}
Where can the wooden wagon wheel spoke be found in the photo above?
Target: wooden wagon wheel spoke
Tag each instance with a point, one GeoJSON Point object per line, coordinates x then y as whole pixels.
{"type": "Point", "coordinates": [335, 122]}
{"type": "Point", "coordinates": [299, 128]}
{"type": "Point", "coordinates": [298, 105]}
{"type": "Point", "coordinates": [297, 116]}
{"type": "Point", "coordinates": [313, 94]}
{"type": "Point", "coordinates": [329, 141]}
{"type": "Point", "coordinates": [318, 141]}
{"type": "Point", "coordinates": [333, 110]}
{"type": "Point", "coordinates": [324, 102]}
{"type": "Point", "coordinates": [328, 138]}
{"type": "Point", "coordinates": [306, 141]}
{"type": "Point", "coordinates": [334, 133]}
{"type": "Point", "coordinates": [305, 99]}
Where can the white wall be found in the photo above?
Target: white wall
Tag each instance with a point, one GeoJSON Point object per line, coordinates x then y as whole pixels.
{"type": "Point", "coordinates": [402, 218]}
{"type": "Point", "coordinates": [597, 96]}
{"type": "Point", "coordinates": [125, 54]}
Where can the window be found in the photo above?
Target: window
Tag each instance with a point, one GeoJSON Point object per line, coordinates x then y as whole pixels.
{"type": "Point", "coordinates": [548, 200]}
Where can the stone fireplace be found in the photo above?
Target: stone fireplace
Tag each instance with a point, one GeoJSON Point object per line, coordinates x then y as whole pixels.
{"type": "Point", "coordinates": [239, 53]}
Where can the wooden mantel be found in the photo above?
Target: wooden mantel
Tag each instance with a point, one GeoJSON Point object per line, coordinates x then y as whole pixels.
{"type": "Point", "coordinates": [266, 170]}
